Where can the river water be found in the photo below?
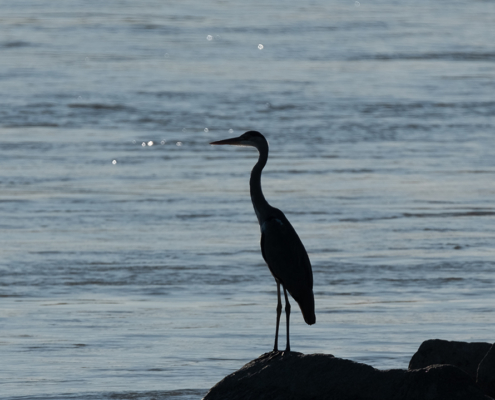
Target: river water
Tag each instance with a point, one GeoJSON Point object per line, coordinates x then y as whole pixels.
{"type": "Point", "coordinates": [130, 265]}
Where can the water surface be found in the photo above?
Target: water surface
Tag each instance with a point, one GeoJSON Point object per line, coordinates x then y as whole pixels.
{"type": "Point", "coordinates": [130, 264]}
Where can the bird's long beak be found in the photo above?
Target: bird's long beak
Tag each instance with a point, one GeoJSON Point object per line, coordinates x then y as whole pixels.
{"type": "Point", "coordinates": [233, 141]}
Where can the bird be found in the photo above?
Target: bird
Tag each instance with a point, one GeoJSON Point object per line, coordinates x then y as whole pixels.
{"type": "Point", "coordinates": [281, 247]}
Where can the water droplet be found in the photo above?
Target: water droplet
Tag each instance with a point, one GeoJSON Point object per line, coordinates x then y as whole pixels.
{"type": "Point", "coordinates": [114, 162]}
{"type": "Point", "coordinates": [150, 143]}
{"type": "Point", "coordinates": [357, 4]}
{"type": "Point", "coordinates": [260, 46]}
{"type": "Point", "coordinates": [206, 130]}
{"type": "Point", "coordinates": [178, 144]}
{"type": "Point", "coordinates": [209, 37]}
{"type": "Point", "coordinates": [143, 144]}
{"type": "Point", "coordinates": [231, 131]}
{"type": "Point", "coordinates": [163, 142]}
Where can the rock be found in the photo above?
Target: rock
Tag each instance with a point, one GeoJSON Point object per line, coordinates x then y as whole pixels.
{"type": "Point", "coordinates": [466, 356]}
{"type": "Point", "coordinates": [286, 376]}
{"type": "Point", "coordinates": [486, 373]}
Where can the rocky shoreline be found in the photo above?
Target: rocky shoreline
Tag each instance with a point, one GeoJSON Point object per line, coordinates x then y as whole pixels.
{"type": "Point", "coordinates": [439, 370]}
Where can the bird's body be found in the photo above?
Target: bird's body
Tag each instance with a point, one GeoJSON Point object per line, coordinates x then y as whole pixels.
{"type": "Point", "coordinates": [281, 247]}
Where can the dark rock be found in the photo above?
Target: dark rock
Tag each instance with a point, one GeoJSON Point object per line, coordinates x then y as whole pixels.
{"type": "Point", "coordinates": [466, 356]}
{"type": "Point", "coordinates": [486, 373]}
{"type": "Point", "coordinates": [286, 376]}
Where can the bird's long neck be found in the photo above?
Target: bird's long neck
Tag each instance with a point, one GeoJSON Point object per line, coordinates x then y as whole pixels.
{"type": "Point", "coordinates": [261, 206]}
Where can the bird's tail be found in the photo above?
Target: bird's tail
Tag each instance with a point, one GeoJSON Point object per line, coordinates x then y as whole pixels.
{"type": "Point", "coordinates": [307, 304]}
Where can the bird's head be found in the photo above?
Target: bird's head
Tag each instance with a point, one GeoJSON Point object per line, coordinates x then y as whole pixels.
{"type": "Point", "coordinates": [250, 138]}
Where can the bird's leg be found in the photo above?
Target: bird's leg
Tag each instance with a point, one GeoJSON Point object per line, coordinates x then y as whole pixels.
{"type": "Point", "coordinates": [279, 312]}
{"type": "Point", "coordinates": [287, 314]}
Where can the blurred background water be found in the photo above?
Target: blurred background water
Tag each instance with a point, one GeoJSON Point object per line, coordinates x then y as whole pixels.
{"type": "Point", "coordinates": [130, 263]}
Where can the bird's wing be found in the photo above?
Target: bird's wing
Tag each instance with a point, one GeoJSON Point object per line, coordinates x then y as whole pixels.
{"type": "Point", "coordinates": [286, 257]}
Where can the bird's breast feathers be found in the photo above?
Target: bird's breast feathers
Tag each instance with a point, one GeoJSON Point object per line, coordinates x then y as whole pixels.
{"type": "Point", "coordinates": [285, 255]}
{"type": "Point", "coordinates": [265, 224]}
{"type": "Point", "coordinates": [280, 244]}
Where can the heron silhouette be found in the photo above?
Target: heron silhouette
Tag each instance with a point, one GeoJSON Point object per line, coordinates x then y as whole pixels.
{"type": "Point", "coordinates": [281, 247]}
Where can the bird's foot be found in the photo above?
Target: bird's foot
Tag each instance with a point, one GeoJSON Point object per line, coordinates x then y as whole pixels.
{"type": "Point", "coordinates": [285, 352]}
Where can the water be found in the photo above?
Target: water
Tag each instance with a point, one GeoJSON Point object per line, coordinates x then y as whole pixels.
{"type": "Point", "coordinates": [142, 278]}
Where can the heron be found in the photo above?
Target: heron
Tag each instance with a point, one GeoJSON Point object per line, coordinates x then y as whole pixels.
{"type": "Point", "coordinates": [281, 247]}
